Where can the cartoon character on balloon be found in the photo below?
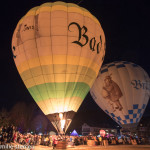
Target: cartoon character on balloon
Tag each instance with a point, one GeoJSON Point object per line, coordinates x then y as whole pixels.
{"type": "Point", "coordinates": [112, 93]}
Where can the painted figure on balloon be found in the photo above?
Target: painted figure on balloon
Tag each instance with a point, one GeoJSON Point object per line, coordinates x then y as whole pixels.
{"type": "Point", "coordinates": [112, 92]}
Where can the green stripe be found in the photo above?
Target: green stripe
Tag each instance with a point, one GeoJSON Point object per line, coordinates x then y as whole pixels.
{"type": "Point", "coordinates": [59, 90]}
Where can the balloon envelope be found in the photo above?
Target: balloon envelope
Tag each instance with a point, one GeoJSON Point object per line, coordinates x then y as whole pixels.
{"type": "Point", "coordinates": [58, 49]}
{"type": "Point", "coordinates": [122, 90]}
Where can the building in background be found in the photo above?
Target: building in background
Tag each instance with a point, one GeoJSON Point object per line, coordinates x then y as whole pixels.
{"type": "Point", "coordinates": [87, 129]}
{"type": "Point", "coordinates": [143, 129]}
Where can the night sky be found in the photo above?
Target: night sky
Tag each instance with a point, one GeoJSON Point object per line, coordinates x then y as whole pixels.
{"type": "Point", "coordinates": [126, 27]}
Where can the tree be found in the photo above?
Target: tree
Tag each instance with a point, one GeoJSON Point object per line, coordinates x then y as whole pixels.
{"type": "Point", "coordinates": [21, 116]}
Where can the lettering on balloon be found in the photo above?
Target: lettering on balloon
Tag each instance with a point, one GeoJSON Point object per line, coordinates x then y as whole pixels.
{"type": "Point", "coordinates": [26, 27]}
{"type": "Point", "coordinates": [83, 39]}
{"type": "Point", "coordinates": [92, 44]}
{"type": "Point", "coordinates": [84, 29]}
{"type": "Point", "coordinates": [137, 84]}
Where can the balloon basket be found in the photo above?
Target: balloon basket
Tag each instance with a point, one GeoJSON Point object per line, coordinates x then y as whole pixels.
{"type": "Point", "coordinates": [91, 143]}
{"type": "Point", "coordinates": [61, 145]}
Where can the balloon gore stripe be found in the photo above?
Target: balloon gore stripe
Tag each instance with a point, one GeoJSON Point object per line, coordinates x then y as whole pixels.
{"type": "Point", "coordinates": [58, 73]}
{"type": "Point", "coordinates": [59, 90]}
{"type": "Point", "coordinates": [117, 65]}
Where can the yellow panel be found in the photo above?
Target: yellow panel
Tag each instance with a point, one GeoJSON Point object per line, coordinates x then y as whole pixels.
{"type": "Point", "coordinates": [46, 60]}
{"type": "Point", "coordinates": [56, 107]}
{"type": "Point", "coordinates": [45, 107]}
{"type": "Point", "coordinates": [84, 61]}
{"type": "Point", "coordinates": [59, 14]}
{"type": "Point", "coordinates": [39, 80]}
{"type": "Point", "coordinates": [33, 62]}
{"type": "Point", "coordinates": [29, 82]}
{"type": "Point", "coordinates": [59, 78]}
{"type": "Point", "coordinates": [43, 9]}
{"type": "Point", "coordinates": [59, 7]}
{"type": "Point", "coordinates": [58, 59]}
{"type": "Point", "coordinates": [49, 78]}
{"type": "Point", "coordinates": [75, 9]}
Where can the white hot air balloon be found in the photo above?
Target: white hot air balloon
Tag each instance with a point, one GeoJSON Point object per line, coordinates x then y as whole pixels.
{"type": "Point", "coordinates": [58, 49]}
{"type": "Point", "coordinates": [122, 90]}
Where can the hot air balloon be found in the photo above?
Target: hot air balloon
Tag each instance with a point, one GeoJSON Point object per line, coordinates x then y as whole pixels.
{"type": "Point", "coordinates": [58, 49]}
{"type": "Point", "coordinates": [122, 90]}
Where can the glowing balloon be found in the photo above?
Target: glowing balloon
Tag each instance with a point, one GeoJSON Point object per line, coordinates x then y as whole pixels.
{"type": "Point", "coordinates": [102, 133]}
{"type": "Point", "coordinates": [58, 49]}
{"type": "Point", "coordinates": [122, 90]}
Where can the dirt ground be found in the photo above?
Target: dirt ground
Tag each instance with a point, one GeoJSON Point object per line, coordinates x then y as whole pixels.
{"type": "Point", "coordinates": [110, 147]}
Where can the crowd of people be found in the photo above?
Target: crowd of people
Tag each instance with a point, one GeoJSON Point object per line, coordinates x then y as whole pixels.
{"type": "Point", "coordinates": [10, 134]}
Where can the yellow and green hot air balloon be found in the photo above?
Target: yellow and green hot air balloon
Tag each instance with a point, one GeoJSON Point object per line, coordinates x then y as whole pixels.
{"type": "Point", "coordinates": [58, 49]}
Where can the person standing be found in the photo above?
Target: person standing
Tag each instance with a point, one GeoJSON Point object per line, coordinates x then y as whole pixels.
{"type": "Point", "coordinates": [54, 143]}
{"type": "Point", "coordinates": [100, 140]}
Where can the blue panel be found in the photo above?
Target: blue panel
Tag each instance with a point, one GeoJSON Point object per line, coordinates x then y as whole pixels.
{"type": "Point", "coordinates": [137, 119]}
{"type": "Point", "coordinates": [134, 65]}
{"type": "Point", "coordinates": [112, 115]}
{"type": "Point", "coordinates": [127, 116]}
{"type": "Point", "coordinates": [134, 115]}
{"type": "Point", "coordinates": [124, 121]}
{"type": "Point", "coordinates": [118, 118]}
{"type": "Point", "coordinates": [140, 115]}
{"type": "Point", "coordinates": [143, 106]}
{"type": "Point", "coordinates": [114, 119]}
{"type": "Point", "coordinates": [107, 111]}
{"type": "Point", "coordinates": [139, 111]}
{"type": "Point", "coordinates": [104, 66]}
{"type": "Point", "coordinates": [104, 70]}
{"type": "Point", "coordinates": [111, 65]}
{"type": "Point", "coordinates": [130, 111]}
{"type": "Point", "coordinates": [135, 106]}
{"type": "Point", "coordinates": [131, 120]}
{"type": "Point", "coordinates": [120, 66]}
{"type": "Point", "coordinates": [119, 122]}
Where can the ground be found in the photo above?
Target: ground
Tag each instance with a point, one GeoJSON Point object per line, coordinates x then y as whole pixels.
{"type": "Point", "coordinates": [114, 147]}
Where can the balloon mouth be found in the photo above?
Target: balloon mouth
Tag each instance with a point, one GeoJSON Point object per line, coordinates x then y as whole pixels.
{"type": "Point", "coordinates": [61, 121]}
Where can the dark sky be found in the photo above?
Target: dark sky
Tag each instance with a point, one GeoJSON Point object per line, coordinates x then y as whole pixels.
{"type": "Point", "coordinates": [125, 24]}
